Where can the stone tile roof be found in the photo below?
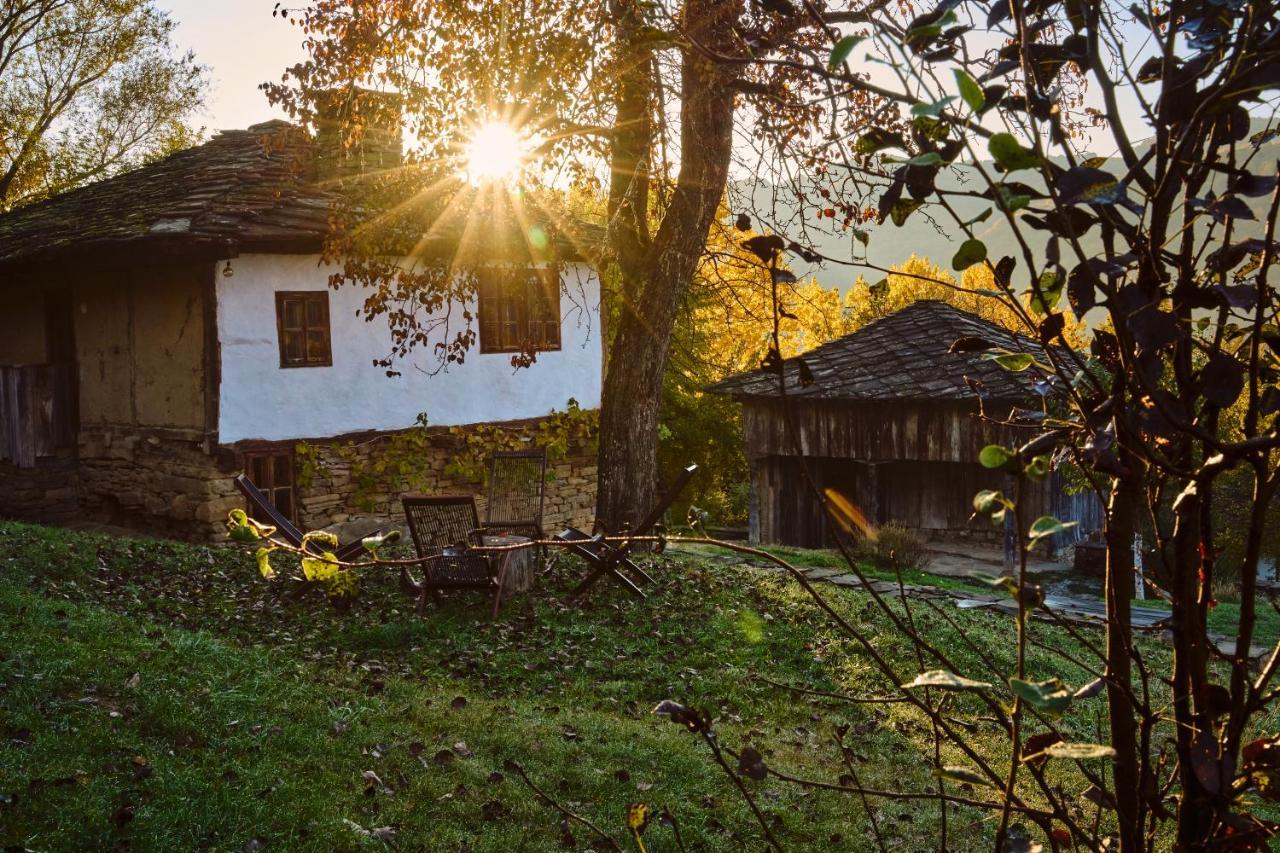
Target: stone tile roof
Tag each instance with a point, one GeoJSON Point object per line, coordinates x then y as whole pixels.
{"type": "Point", "coordinates": [242, 191]}
{"type": "Point", "coordinates": [900, 357]}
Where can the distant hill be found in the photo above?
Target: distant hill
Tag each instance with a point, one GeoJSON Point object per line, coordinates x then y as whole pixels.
{"type": "Point", "coordinates": [932, 237]}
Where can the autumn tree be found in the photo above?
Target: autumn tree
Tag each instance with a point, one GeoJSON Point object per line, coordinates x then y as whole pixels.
{"type": "Point", "coordinates": [88, 88]}
{"type": "Point", "coordinates": [643, 96]}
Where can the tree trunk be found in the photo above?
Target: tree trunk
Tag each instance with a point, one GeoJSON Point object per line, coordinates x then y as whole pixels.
{"type": "Point", "coordinates": [1122, 513]}
{"type": "Point", "coordinates": [652, 292]}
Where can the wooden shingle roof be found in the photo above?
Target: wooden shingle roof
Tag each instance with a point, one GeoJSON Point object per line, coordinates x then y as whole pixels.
{"type": "Point", "coordinates": [900, 357]}
{"type": "Point", "coordinates": [241, 189]}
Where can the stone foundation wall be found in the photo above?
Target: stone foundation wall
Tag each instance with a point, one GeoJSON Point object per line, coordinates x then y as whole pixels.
{"type": "Point", "coordinates": [162, 482]}
{"type": "Point", "coordinates": [340, 491]}
{"type": "Point", "coordinates": [45, 493]}
{"type": "Point", "coordinates": [167, 482]}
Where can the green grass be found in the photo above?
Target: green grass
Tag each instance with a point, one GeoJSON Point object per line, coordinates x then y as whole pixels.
{"type": "Point", "coordinates": [165, 697]}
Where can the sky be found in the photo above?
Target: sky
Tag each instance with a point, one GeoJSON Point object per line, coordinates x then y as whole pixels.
{"type": "Point", "coordinates": [243, 46]}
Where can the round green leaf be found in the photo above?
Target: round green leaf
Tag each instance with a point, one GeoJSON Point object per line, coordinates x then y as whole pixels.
{"type": "Point", "coordinates": [970, 252]}
{"type": "Point", "coordinates": [1009, 155]}
{"type": "Point", "coordinates": [995, 456]}
{"type": "Point", "coordinates": [1047, 525]}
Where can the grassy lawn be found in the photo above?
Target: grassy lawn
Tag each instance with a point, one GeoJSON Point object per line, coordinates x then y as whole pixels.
{"type": "Point", "coordinates": [164, 697]}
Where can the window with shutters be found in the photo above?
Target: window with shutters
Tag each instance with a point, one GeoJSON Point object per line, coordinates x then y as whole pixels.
{"type": "Point", "coordinates": [302, 318]}
{"type": "Point", "coordinates": [271, 470]}
{"type": "Point", "coordinates": [519, 309]}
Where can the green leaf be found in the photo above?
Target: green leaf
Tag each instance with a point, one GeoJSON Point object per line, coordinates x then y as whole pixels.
{"type": "Point", "coordinates": [320, 568]}
{"type": "Point", "coordinates": [1008, 584]}
{"type": "Point", "coordinates": [1079, 751]}
{"type": "Point", "coordinates": [841, 50]}
{"type": "Point", "coordinates": [1012, 201]}
{"type": "Point", "coordinates": [1047, 525]}
{"type": "Point", "coordinates": [1009, 155]}
{"type": "Point", "coordinates": [875, 139]}
{"type": "Point", "coordinates": [244, 533]}
{"type": "Point", "coordinates": [995, 456]}
{"type": "Point", "coordinates": [930, 158]}
{"type": "Point", "coordinates": [988, 501]}
{"type": "Point", "coordinates": [903, 209]}
{"type": "Point", "coordinates": [970, 252]}
{"type": "Point", "coordinates": [1050, 293]}
{"type": "Point", "coordinates": [981, 217]}
{"type": "Point", "coordinates": [320, 537]}
{"type": "Point", "coordinates": [962, 774]}
{"type": "Point", "coordinates": [931, 110]}
{"type": "Point", "coordinates": [1038, 468]}
{"type": "Point", "coordinates": [970, 91]}
{"type": "Point", "coordinates": [264, 562]}
{"type": "Point", "coordinates": [944, 680]}
{"type": "Point", "coordinates": [373, 543]}
{"type": "Point", "coordinates": [1014, 361]}
{"type": "Point", "coordinates": [1052, 695]}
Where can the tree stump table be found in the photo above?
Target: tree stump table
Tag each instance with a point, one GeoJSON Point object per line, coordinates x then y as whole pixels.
{"type": "Point", "coordinates": [521, 564]}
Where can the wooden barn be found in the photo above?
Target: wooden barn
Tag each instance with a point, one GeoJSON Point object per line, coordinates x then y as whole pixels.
{"type": "Point", "coordinates": [891, 422]}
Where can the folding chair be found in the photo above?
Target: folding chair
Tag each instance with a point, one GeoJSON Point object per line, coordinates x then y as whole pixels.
{"type": "Point", "coordinates": [606, 559]}
{"type": "Point", "coordinates": [444, 528]}
{"type": "Point", "coordinates": [285, 528]}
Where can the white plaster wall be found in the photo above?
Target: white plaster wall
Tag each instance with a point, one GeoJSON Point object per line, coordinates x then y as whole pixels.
{"type": "Point", "coordinates": [261, 400]}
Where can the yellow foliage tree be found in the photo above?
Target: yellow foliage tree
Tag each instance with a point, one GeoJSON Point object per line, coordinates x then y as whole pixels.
{"type": "Point", "coordinates": [736, 324]}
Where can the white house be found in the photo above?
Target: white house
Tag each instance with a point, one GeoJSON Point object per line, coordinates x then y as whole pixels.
{"type": "Point", "coordinates": [163, 330]}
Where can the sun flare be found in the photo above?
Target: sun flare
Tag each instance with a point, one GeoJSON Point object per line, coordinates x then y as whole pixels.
{"type": "Point", "coordinates": [496, 153]}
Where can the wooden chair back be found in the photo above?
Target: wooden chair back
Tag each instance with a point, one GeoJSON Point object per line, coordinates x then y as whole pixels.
{"type": "Point", "coordinates": [517, 480]}
{"type": "Point", "coordinates": [437, 522]}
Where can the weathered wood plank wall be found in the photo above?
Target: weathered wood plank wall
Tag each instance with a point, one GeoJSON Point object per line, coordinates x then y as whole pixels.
{"type": "Point", "coordinates": [36, 412]}
{"type": "Point", "coordinates": [897, 461]}
{"type": "Point", "coordinates": [874, 430]}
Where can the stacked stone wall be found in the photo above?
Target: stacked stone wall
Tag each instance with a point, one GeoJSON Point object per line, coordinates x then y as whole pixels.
{"type": "Point", "coordinates": [162, 482]}
{"type": "Point", "coordinates": [168, 482]}
{"type": "Point", "coordinates": [339, 491]}
{"type": "Point", "coordinates": [45, 493]}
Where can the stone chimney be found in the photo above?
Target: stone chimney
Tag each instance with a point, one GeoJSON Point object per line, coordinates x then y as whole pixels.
{"type": "Point", "coordinates": [357, 131]}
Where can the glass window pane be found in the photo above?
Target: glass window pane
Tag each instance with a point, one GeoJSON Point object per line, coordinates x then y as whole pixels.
{"type": "Point", "coordinates": [293, 313]}
{"type": "Point", "coordinates": [293, 347]}
{"type": "Point", "coordinates": [317, 345]}
{"type": "Point", "coordinates": [283, 499]}
{"type": "Point", "coordinates": [282, 470]}
{"type": "Point", "coordinates": [260, 472]}
{"type": "Point", "coordinates": [315, 311]}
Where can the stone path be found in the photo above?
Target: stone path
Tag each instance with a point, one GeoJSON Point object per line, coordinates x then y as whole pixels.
{"type": "Point", "coordinates": [1077, 610]}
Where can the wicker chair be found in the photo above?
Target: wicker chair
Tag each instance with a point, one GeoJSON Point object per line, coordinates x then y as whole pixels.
{"type": "Point", "coordinates": [516, 488]}
{"type": "Point", "coordinates": [444, 528]}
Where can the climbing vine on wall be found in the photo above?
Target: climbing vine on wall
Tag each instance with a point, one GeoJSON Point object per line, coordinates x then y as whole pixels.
{"type": "Point", "coordinates": [403, 461]}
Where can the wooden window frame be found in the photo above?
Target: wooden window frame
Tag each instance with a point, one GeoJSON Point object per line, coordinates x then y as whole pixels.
{"type": "Point", "coordinates": [320, 297]}
{"type": "Point", "coordinates": [270, 453]}
{"type": "Point", "coordinates": [516, 328]}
